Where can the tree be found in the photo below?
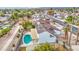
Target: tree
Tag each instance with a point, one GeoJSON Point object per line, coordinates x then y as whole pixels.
{"type": "Point", "coordinates": [1, 33]}
{"type": "Point", "coordinates": [44, 47]}
{"type": "Point", "coordinates": [26, 13]}
{"type": "Point", "coordinates": [14, 16]}
{"type": "Point", "coordinates": [50, 12]}
{"type": "Point", "coordinates": [66, 33]}
{"type": "Point", "coordinates": [69, 19]}
{"type": "Point", "coordinates": [4, 31]}
{"type": "Point", "coordinates": [70, 10]}
{"type": "Point", "coordinates": [70, 36]}
{"type": "Point", "coordinates": [77, 38]}
{"type": "Point", "coordinates": [66, 30]}
{"type": "Point", "coordinates": [49, 47]}
{"type": "Point", "coordinates": [27, 25]}
{"type": "Point", "coordinates": [2, 14]}
{"type": "Point", "coordinates": [29, 13]}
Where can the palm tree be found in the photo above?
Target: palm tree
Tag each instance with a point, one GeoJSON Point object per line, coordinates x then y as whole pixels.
{"type": "Point", "coordinates": [77, 37]}
{"type": "Point", "coordinates": [26, 13]}
{"type": "Point", "coordinates": [69, 19]}
{"type": "Point", "coordinates": [29, 13]}
{"type": "Point", "coordinates": [66, 30]}
{"type": "Point", "coordinates": [66, 33]}
{"type": "Point", "coordinates": [70, 35]}
{"type": "Point", "coordinates": [14, 16]}
{"type": "Point", "coordinates": [23, 14]}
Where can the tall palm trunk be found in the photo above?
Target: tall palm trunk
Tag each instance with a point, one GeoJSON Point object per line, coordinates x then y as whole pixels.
{"type": "Point", "coordinates": [66, 34]}
{"type": "Point", "coordinates": [70, 35]}
{"type": "Point", "coordinates": [70, 38]}
{"type": "Point", "coordinates": [77, 38]}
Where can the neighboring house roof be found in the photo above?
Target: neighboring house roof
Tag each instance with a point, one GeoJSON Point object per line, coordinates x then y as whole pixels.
{"type": "Point", "coordinates": [3, 18]}
{"type": "Point", "coordinates": [46, 37]}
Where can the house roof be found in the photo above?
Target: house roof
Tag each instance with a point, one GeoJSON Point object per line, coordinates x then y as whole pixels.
{"type": "Point", "coordinates": [46, 37]}
{"type": "Point", "coordinates": [3, 18]}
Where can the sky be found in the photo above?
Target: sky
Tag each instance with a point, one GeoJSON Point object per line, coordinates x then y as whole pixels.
{"type": "Point", "coordinates": [39, 3]}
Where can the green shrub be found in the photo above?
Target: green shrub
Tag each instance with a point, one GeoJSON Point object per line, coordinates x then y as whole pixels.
{"type": "Point", "coordinates": [27, 25]}
{"type": "Point", "coordinates": [49, 47]}
{"type": "Point", "coordinates": [44, 47]}
{"type": "Point", "coordinates": [4, 31]}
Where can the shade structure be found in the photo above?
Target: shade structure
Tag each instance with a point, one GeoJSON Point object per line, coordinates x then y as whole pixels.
{"type": "Point", "coordinates": [34, 34]}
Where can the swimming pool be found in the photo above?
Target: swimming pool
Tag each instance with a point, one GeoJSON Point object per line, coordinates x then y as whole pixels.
{"type": "Point", "coordinates": [27, 38]}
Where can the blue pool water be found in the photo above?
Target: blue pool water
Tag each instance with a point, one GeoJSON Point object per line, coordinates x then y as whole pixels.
{"type": "Point", "coordinates": [27, 39]}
